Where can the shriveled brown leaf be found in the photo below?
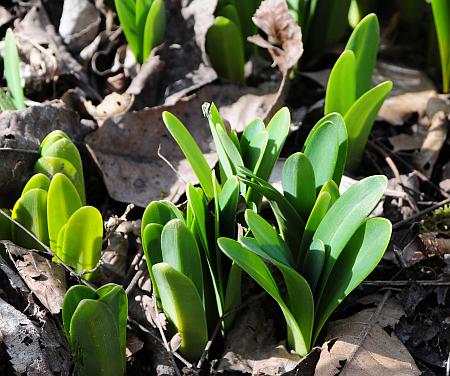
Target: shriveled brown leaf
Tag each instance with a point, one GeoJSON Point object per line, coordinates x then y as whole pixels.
{"type": "Point", "coordinates": [358, 345]}
{"type": "Point", "coordinates": [251, 347]}
{"type": "Point", "coordinates": [398, 109]}
{"type": "Point", "coordinates": [44, 278]}
{"type": "Point", "coordinates": [125, 147]}
{"type": "Point", "coordinates": [112, 104]}
{"type": "Point", "coordinates": [284, 36]}
{"type": "Point", "coordinates": [5, 16]}
{"type": "Point", "coordinates": [437, 113]}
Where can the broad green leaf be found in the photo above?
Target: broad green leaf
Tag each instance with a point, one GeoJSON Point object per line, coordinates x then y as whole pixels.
{"type": "Point", "coordinates": [65, 149]}
{"type": "Point", "coordinates": [254, 266]}
{"type": "Point", "coordinates": [82, 242]}
{"type": "Point", "coordinates": [226, 50]}
{"type": "Point", "coordinates": [299, 183]}
{"type": "Point", "coordinates": [160, 212]}
{"type": "Point", "coordinates": [345, 217]}
{"type": "Point", "coordinates": [115, 297]}
{"type": "Point", "coordinates": [184, 308]}
{"type": "Point", "coordinates": [267, 238]}
{"type": "Point", "coordinates": [337, 120]}
{"type": "Point", "coordinates": [246, 10]}
{"type": "Point", "coordinates": [60, 242]}
{"type": "Point", "coordinates": [232, 294]}
{"type": "Point", "coordinates": [155, 27]}
{"type": "Point", "coordinates": [341, 87]}
{"type": "Point", "coordinates": [180, 250]}
{"type": "Point", "coordinates": [30, 211]}
{"type": "Point", "coordinates": [191, 151]}
{"type": "Point", "coordinates": [95, 340]}
{"type": "Point", "coordinates": [72, 299]}
{"type": "Point", "coordinates": [313, 263]}
{"type": "Point", "coordinates": [37, 181]}
{"type": "Point", "coordinates": [50, 166]}
{"type": "Point", "coordinates": [364, 43]}
{"type": "Point", "coordinates": [12, 70]}
{"type": "Point", "coordinates": [360, 118]}
{"type": "Point", "coordinates": [441, 16]}
{"type": "Point", "coordinates": [322, 151]}
{"type": "Point", "coordinates": [229, 11]}
{"type": "Point", "coordinates": [331, 187]}
{"type": "Point", "coordinates": [62, 201]}
{"type": "Point", "coordinates": [360, 256]}
{"type": "Point", "coordinates": [126, 12]}
{"type": "Point", "coordinates": [278, 130]}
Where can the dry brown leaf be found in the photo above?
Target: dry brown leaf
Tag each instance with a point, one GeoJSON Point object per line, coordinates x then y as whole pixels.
{"type": "Point", "coordinates": [397, 109]}
{"type": "Point", "coordinates": [44, 278]}
{"type": "Point", "coordinates": [284, 36]}
{"type": "Point", "coordinates": [425, 159]}
{"type": "Point", "coordinates": [125, 147]}
{"type": "Point", "coordinates": [358, 345]}
{"type": "Point", "coordinates": [404, 141]}
{"type": "Point", "coordinates": [112, 104]}
{"type": "Point", "coordinates": [251, 347]}
{"type": "Point", "coordinates": [5, 16]}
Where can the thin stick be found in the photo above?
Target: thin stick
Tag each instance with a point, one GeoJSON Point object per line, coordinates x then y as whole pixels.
{"type": "Point", "coordinates": [406, 283]}
{"type": "Point", "coordinates": [420, 214]}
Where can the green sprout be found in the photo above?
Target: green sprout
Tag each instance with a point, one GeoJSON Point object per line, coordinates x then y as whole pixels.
{"type": "Point", "coordinates": [143, 23]}
{"type": "Point", "coordinates": [325, 244]}
{"type": "Point", "coordinates": [348, 91]}
{"type": "Point", "coordinates": [95, 326]}
{"type": "Point", "coordinates": [52, 207]}
{"type": "Point", "coordinates": [441, 15]}
{"type": "Point", "coordinates": [13, 99]}
{"type": "Point", "coordinates": [226, 40]}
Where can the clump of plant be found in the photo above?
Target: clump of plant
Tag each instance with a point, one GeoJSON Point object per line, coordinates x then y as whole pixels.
{"type": "Point", "coordinates": [441, 15]}
{"type": "Point", "coordinates": [143, 23]}
{"type": "Point", "coordinates": [323, 22]}
{"type": "Point", "coordinates": [181, 247]}
{"type": "Point", "coordinates": [13, 99]}
{"type": "Point", "coordinates": [95, 325]}
{"type": "Point", "coordinates": [349, 89]}
{"type": "Point", "coordinates": [52, 207]}
{"type": "Point", "coordinates": [324, 244]}
{"type": "Point", "coordinates": [226, 40]}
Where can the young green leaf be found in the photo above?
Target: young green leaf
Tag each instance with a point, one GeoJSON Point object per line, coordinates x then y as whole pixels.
{"type": "Point", "coordinates": [155, 27]}
{"type": "Point", "coordinates": [184, 308]}
{"type": "Point", "coordinates": [360, 256]}
{"type": "Point", "coordinates": [360, 119]}
{"type": "Point", "coordinates": [126, 13]}
{"type": "Point", "coordinates": [94, 337]}
{"type": "Point", "coordinates": [82, 242]}
{"type": "Point", "coordinates": [6, 102]}
{"type": "Point", "coordinates": [364, 42]}
{"type": "Point", "coordinates": [37, 181]}
{"type": "Point", "coordinates": [253, 144]}
{"type": "Point", "coordinates": [179, 249]}
{"type": "Point", "coordinates": [226, 50]}
{"type": "Point", "coordinates": [140, 13]}
{"type": "Point", "coordinates": [30, 211]}
{"type": "Point", "coordinates": [299, 183]}
{"type": "Point", "coordinates": [341, 87]}
{"type": "Point", "coordinates": [12, 70]}
{"type": "Point", "coordinates": [322, 150]}
{"type": "Point", "coordinates": [191, 151]}
{"type": "Point", "coordinates": [151, 243]}
{"type": "Point", "coordinates": [62, 201]}
{"type": "Point", "coordinates": [228, 200]}
{"type": "Point", "coordinates": [313, 263]}
{"type": "Point", "coordinates": [51, 138]}
{"type": "Point", "coordinates": [160, 212]}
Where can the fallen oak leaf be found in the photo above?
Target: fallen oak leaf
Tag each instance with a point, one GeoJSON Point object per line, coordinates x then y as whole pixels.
{"type": "Point", "coordinates": [44, 278]}
{"type": "Point", "coordinates": [284, 36]}
{"type": "Point", "coordinates": [359, 346]}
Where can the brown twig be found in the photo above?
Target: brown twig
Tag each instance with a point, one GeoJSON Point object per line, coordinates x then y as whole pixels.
{"type": "Point", "coordinates": [420, 214]}
{"type": "Point", "coordinates": [406, 283]}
